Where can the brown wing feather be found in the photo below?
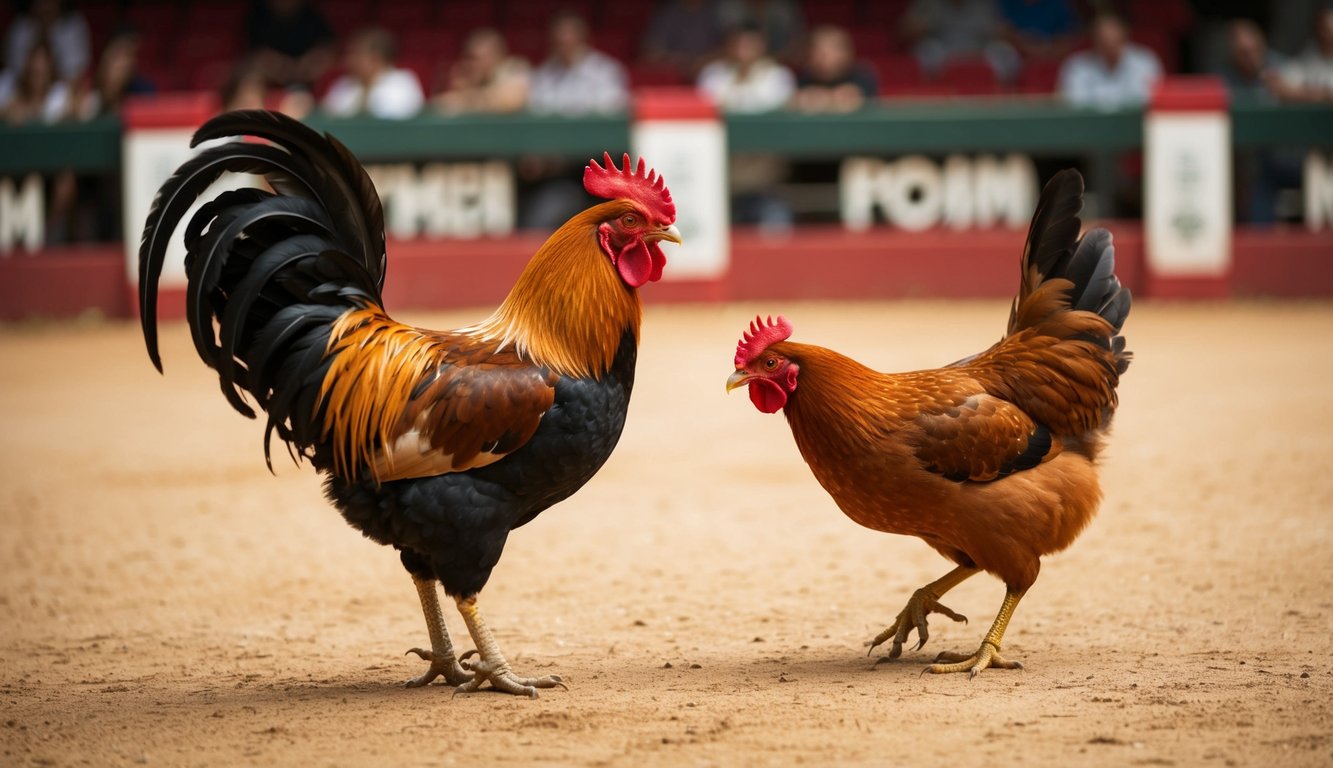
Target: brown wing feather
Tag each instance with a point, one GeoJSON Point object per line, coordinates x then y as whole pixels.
{"type": "Point", "coordinates": [979, 438]}
{"type": "Point", "coordinates": [471, 414]}
{"type": "Point", "coordinates": [404, 402]}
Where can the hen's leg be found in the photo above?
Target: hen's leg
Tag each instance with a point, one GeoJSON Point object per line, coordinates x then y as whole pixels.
{"type": "Point", "coordinates": [443, 662]}
{"type": "Point", "coordinates": [988, 655]}
{"type": "Point", "coordinates": [492, 664]}
{"type": "Point", "coordinates": [923, 602]}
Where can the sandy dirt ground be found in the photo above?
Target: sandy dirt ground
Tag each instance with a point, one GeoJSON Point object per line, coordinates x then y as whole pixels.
{"type": "Point", "coordinates": [166, 601]}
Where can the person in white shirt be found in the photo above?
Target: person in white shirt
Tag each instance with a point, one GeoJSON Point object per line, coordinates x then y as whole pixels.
{"type": "Point", "coordinates": [1115, 73]}
{"type": "Point", "coordinates": [62, 27]}
{"type": "Point", "coordinates": [1310, 76]}
{"type": "Point", "coordinates": [373, 85]}
{"type": "Point", "coordinates": [746, 79]}
{"type": "Point", "coordinates": [575, 79]}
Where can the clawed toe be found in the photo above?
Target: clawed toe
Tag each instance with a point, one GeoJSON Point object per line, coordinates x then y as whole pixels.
{"type": "Point", "coordinates": [502, 678]}
{"type": "Point", "coordinates": [440, 666]}
{"type": "Point", "coordinates": [987, 656]}
{"type": "Point", "coordinates": [913, 616]}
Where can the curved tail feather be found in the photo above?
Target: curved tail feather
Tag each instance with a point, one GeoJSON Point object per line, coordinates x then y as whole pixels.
{"type": "Point", "coordinates": [1062, 271]}
{"type": "Point", "coordinates": [268, 272]}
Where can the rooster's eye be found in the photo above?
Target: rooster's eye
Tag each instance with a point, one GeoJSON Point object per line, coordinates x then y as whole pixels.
{"type": "Point", "coordinates": [770, 363]}
{"type": "Point", "coordinates": [629, 220]}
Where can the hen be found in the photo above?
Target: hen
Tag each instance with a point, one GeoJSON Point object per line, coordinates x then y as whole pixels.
{"type": "Point", "coordinates": [990, 460]}
{"type": "Point", "coordinates": [438, 443]}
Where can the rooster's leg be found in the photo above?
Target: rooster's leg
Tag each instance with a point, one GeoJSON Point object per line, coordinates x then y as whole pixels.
{"type": "Point", "coordinates": [443, 662]}
{"type": "Point", "coordinates": [988, 655]}
{"type": "Point", "coordinates": [492, 664]}
{"type": "Point", "coordinates": [923, 602]}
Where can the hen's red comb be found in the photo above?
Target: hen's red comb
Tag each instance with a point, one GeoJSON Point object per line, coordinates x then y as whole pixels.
{"type": "Point", "coordinates": [643, 186]}
{"type": "Point", "coordinates": [761, 334]}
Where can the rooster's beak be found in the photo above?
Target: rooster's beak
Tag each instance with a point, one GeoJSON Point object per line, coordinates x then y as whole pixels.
{"type": "Point", "coordinates": [670, 234]}
{"type": "Point", "coordinates": [737, 379]}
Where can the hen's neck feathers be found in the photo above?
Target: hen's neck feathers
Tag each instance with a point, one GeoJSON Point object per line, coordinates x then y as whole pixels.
{"type": "Point", "coordinates": [569, 309]}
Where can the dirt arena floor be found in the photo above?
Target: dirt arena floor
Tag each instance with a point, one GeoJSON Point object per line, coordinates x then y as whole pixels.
{"type": "Point", "coordinates": [166, 601]}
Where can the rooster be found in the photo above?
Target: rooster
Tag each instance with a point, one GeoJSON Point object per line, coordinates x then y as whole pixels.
{"type": "Point", "coordinates": [990, 460]}
{"type": "Point", "coordinates": [438, 443]}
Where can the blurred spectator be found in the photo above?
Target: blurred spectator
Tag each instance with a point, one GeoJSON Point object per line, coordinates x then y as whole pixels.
{"type": "Point", "coordinates": [746, 79]}
{"type": "Point", "coordinates": [62, 27]}
{"type": "Point", "coordinates": [373, 85]}
{"type": "Point", "coordinates": [1045, 29]}
{"type": "Point", "coordinates": [1288, 24]}
{"type": "Point", "coordinates": [486, 79]}
{"type": "Point", "coordinates": [290, 40]}
{"type": "Point", "coordinates": [117, 76]}
{"type": "Point", "coordinates": [575, 79]}
{"type": "Point", "coordinates": [832, 80]}
{"type": "Point", "coordinates": [683, 34]}
{"type": "Point", "coordinates": [1310, 77]}
{"type": "Point", "coordinates": [35, 94]}
{"type": "Point", "coordinates": [941, 30]}
{"type": "Point", "coordinates": [781, 21]}
{"type": "Point", "coordinates": [1251, 73]}
{"type": "Point", "coordinates": [1115, 73]}
{"type": "Point", "coordinates": [1250, 67]}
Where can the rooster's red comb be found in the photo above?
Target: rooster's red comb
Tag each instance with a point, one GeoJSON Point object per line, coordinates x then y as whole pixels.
{"type": "Point", "coordinates": [761, 334]}
{"type": "Point", "coordinates": [643, 186]}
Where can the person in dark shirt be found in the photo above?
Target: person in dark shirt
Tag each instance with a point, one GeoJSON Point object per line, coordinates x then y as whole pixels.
{"type": "Point", "coordinates": [290, 40]}
{"type": "Point", "coordinates": [832, 80]}
{"type": "Point", "coordinates": [1047, 29]}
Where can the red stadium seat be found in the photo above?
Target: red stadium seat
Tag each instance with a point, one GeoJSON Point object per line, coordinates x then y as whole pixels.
{"type": "Point", "coordinates": [403, 16]}
{"type": "Point", "coordinates": [884, 13]}
{"type": "Point", "coordinates": [920, 91]}
{"type": "Point", "coordinates": [871, 41]}
{"type": "Point", "coordinates": [970, 76]}
{"type": "Point", "coordinates": [466, 17]}
{"type": "Point", "coordinates": [840, 13]}
{"type": "Point", "coordinates": [154, 19]}
{"type": "Point", "coordinates": [620, 47]}
{"type": "Point", "coordinates": [216, 16]}
{"type": "Point", "coordinates": [529, 42]}
{"type": "Point", "coordinates": [345, 16]}
{"type": "Point", "coordinates": [1162, 43]}
{"type": "Point", "coordinates": [210, 75]}
{"type": "Point", "coordinates": [438, 41]}
{"type": "Point", "coordinates": [654, 75]}
{"type": "Point", "coordinates": [897, 71]}
{"type": "Point", "coordinates": [1039, 76]}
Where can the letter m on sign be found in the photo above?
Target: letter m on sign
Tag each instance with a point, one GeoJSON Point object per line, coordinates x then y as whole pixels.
{"type": "Point", "coordinates": [22, 218]}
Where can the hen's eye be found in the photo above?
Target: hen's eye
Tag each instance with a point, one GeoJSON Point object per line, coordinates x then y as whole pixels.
{"type": "Point", "coordinates": [770, 363]}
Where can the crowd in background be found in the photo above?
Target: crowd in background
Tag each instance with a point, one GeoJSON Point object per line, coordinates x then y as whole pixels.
{"type": "Point", "coordinates": [745, 55]}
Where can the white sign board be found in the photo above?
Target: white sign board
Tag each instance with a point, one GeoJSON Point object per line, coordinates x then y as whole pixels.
{"type": "Point", "coordinates": [1187, 193]}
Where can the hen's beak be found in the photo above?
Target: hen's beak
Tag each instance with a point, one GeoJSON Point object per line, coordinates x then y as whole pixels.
{"type": "Point", "coordinates": [737, 379]}
{"type": "Point", "coordinates": [670, 234]}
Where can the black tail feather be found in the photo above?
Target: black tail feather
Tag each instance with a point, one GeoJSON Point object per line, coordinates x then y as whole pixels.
{"type": "Point", "coordinates": [268, 272]}
{"type": "Point", "coordinates": [1055, 251]}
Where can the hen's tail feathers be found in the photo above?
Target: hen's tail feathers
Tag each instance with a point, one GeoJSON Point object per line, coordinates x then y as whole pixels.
{"type": "Point", "coordinates": [1062, 271]}
{"type": "Point", "coordinates": [268, 272]}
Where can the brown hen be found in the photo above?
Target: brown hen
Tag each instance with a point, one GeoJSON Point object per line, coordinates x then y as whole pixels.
{"type": "Point", "coordinates": [991, 460]}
